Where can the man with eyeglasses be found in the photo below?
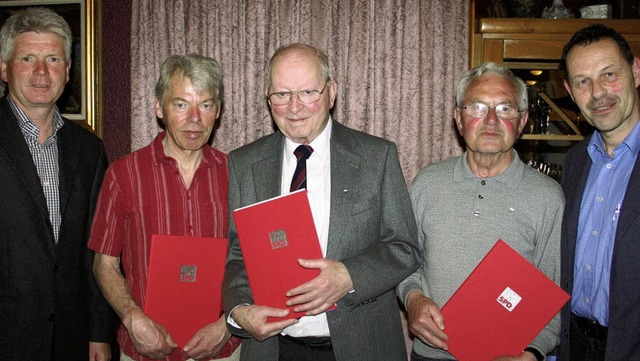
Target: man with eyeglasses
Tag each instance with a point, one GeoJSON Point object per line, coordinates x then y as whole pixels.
{"type": "Point", "coordinates": [463, 205]}
{"type": "Point", "coordinates": [363, 218]}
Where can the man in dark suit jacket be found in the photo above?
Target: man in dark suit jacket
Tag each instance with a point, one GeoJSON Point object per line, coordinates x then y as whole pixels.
{"type": "Point", "coordinates": [51, 172]}
{"type": "Point", "coordinates": [363, 217]}
{"type": "Point", "coordinates": [601, 181]}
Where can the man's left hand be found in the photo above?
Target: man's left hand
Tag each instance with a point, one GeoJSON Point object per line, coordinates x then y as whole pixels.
{"type": "Point", "coordinates": [99, 351]}
{"type": "Point", "coordinates": [322, 292]}
{"type": "Point", "coordinates": [208, 341]}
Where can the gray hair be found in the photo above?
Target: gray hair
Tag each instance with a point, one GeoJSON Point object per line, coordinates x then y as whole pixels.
{"type": "Point", "coordinates": [492, 68]}
{"type": "Point", "coordinates": [319, 55]}
{"type": "Point", "coordinates": [34, 19]}
{"type": "Point", "coordinates": [205, 75]}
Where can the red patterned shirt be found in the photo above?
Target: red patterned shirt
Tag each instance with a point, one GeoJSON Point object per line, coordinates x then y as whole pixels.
{"type": "Point", "coordinates": [142, 194]}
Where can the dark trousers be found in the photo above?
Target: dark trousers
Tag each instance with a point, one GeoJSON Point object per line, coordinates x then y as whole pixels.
{"type": "Point", "coordinates": [588, 340]}
{"type": "Point", "coordinates": [305, 349]}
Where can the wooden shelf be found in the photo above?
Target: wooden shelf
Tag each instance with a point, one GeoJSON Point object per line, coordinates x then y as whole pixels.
{"type": "Point", "coordinates": [528, 43]}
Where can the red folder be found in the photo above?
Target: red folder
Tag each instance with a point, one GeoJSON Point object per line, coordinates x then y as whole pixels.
{"type": "Point", "coordinates": [273, 234]}
{"type": "Point", "coordinates": [501, 307]}
{"type": "Point", "coordinates": [184, 282]}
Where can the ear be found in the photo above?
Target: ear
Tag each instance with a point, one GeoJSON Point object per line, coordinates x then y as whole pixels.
{"type": "Point", "coordinates": [523, 121]}
{"type": "Point", "coordinates": [3, 70]}
{"type": "Point", "coordinates": [459, 123]}
{"type": "Point", "coordinates": [636, 70]}
{"type": "Point", "coordinates": [66, 80]}
{"type": "Point", "coordinates": [566, 86]}
{"type": "Point", "coordinates": [333, 91]}
{"type": "Point", "coordinates": [158, 109]}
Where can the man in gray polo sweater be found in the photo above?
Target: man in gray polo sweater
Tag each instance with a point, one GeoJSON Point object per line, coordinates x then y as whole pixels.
{"type": "Point", "coordinates": [465, 204]}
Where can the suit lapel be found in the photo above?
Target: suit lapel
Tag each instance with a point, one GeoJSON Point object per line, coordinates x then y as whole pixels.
{"type": "Point", "coordinates": [630, 205]}
{"type": "Point", "coordinates": [345, 178]}
{"type": "Point", "coordinates": [574, 193]}
{"type": "Point", "coordinates": [13, 145]}
{"type": "Point", "coordinates": [268, 171]}
{"type": "Point", "coordinates": [68, 156]}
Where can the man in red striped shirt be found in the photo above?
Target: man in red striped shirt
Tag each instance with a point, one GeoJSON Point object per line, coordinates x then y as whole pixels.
{"type": "Point", "coordinates": [177, 185]}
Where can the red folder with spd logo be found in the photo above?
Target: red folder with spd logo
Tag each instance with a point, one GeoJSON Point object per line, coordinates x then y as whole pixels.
{"type": "Point", "coordinates": [501, 307]}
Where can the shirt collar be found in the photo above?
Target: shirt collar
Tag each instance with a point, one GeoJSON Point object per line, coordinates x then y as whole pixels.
{"type": "Point", "coordinates": [209, 155]}
{"type": "Point", "coordinates": [511, 176]}
{"type": "Point", "coordinates": [28, 126]}
{"type": "Point", "coordinates": [631, 142]}
{"type": "Point", "coordinates": [320, 145]}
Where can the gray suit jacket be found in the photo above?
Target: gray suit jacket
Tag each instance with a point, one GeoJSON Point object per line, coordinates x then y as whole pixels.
{"type": "Point", "coordinates": [372, 231]}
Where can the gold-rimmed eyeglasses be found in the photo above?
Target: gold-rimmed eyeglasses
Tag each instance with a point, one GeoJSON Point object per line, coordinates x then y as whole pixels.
{"type": "Point", "coordinates": [305, 96]}
{"type": "Point", "coordinates": [504, 111]}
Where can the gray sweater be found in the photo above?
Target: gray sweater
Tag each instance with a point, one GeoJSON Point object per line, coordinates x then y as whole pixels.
{"type": "Point", "coordinates": [460, 217]}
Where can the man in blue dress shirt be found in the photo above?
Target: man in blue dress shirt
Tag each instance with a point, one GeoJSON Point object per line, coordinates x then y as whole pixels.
{"type": "Point", "coordinates": [601, 226]}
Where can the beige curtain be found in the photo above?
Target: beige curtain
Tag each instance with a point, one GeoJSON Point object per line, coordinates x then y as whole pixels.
{"type": "Point", "coordinates": [396, 62]}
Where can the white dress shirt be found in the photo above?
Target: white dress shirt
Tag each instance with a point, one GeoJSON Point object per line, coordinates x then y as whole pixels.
{"type": "Point", "coordinates": [319, 193]}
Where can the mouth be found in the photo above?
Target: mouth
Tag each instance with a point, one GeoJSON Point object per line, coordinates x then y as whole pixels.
{"type": "Point", "coordinates": [602, 107]}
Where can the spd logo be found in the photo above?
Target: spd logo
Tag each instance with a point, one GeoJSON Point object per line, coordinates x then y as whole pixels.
{"type": "Point", "coordinates": [509, 299]}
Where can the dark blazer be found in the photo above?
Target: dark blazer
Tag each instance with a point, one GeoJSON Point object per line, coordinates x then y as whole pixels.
{"type": "Point", "coordinates": [47, 289]}
{"type": "Point", "coordinates": [623, 341]}
{"type": "Point", "coordinates": [372, 231]}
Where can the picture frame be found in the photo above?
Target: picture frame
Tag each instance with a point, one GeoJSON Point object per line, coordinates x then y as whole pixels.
{"type": "Point", "coordinates": [80, 101]}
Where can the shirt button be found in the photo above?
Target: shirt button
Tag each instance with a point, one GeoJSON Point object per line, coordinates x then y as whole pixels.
{"type": "Point", "coordinates": [609, 166]}
{"type": "Point", "coordinates": [480, 196]}
{"type": "Point", "coordinates": [600, 199]}
{"type": "Point", "coordinates": [587, 267]}
{"type": "Point", "coordinates": [483, 182]}
{"type": "Point", "coordinates": [594, 233]}
{"type": "Point", "coordinates": [586, 300]}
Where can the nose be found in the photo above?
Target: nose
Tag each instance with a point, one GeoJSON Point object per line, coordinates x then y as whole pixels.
{"type": "Point", "coordinates": [40, 67]}
{"type": "Point", "coordinates": [295, 104]}
{"type": "Point", "coordinates": [492, 117]}
{"type": "Point", "coordinates": [194, 115]}
{"type": "Point", "coordinates": [598, 90]}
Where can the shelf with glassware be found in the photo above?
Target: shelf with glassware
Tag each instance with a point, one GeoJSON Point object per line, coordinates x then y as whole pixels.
{"type": "Point", "coordinates": [534, 46]}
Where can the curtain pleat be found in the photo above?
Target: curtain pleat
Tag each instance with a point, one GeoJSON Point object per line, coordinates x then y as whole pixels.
{"type": "Point", "coordinates": [395, 61]}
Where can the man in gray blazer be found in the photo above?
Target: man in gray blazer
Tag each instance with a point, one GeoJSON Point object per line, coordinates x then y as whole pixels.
{"type": "Point", "coordinates": [363, 218]}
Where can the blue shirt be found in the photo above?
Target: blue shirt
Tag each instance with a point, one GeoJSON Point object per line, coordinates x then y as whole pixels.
{"type": "Point", "coordinates": [601, 205]}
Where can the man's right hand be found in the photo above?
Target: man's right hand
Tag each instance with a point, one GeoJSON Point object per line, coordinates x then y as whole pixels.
{"type": "Point", "coordinates": [426, 321]}
{"type": "Point", "coordinates": [253, 319]}
{"type": "Point", "coordinates": [149, 338]}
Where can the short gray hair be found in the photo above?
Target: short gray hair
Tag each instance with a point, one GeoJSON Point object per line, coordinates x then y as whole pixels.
{"type": "Point", "coordinates": [38, 20]}
{"type": "Point", "coordinates": [205, 75]}
{"type": "Point", "coordinates": [319, 55]}
{"type": "Point", "coordinates": [518, 84]}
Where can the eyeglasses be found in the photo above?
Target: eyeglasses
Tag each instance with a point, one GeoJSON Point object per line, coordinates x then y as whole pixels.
{"type": "Point", "coordinates": [503, 111]}
{"type": "Point", "coordinates": [306, 96]}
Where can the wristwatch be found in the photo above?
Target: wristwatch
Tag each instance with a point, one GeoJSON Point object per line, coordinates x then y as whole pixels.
{"type": "Point", "coordinates": [539, 356]}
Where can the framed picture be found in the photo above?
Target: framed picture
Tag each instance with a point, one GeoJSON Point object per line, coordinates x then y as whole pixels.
{"type": "Point", "coordinates": [80, 100]}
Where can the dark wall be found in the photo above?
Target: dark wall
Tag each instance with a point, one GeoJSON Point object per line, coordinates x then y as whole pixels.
{"type": "Point", "coordinates": [116, 77]}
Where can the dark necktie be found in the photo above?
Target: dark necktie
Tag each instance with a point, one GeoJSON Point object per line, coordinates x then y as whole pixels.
{"type": "Point", "coordinates": [299, 180]}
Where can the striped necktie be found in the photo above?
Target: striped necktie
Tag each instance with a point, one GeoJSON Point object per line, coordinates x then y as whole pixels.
{"type": "Point", "coordinates": [299, 180]}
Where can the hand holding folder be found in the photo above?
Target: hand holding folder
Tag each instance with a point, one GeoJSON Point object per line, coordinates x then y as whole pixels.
{"type": "Point", "coordinates": [274, 235]}
{"type": "Point", "coordinates": [500, 308]}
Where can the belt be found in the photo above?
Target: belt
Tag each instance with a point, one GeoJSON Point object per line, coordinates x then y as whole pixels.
{"type": "Point", "coordinates": [311, 343]}
{"type": "Point", "coordinates": [590, 328]}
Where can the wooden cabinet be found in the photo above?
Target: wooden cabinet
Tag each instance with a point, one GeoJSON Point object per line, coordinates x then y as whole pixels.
{"type": "Point", "coordinates": [527, 44]}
